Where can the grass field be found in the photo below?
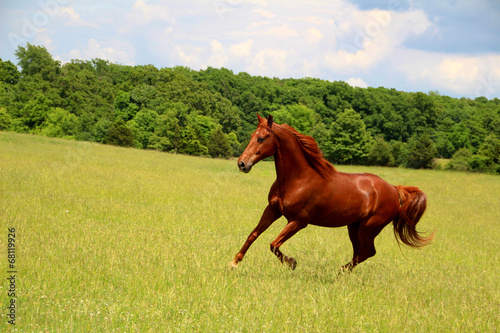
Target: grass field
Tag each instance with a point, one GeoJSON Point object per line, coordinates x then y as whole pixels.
{"type": "Point", "coordinates": [122, 240]}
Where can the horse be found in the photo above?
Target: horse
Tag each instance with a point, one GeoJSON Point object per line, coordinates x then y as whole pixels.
{"type": "Point", "coordinates": [309, 190]}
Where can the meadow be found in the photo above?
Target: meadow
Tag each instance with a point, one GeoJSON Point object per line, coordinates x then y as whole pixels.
{"type": "Point", "coordinates": [110, 239]}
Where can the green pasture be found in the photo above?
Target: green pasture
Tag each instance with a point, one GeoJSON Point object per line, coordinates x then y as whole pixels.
{"type": "Point", "coordinates": [122, 240]}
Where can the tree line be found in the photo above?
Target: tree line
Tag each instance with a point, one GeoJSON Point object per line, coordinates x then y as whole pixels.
{"type": "Point", "coordinates": [212, 112]}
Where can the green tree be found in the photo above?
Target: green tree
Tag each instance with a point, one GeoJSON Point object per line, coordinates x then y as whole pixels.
{"type": "Point", "coordinates": [167, 132]}
{"type": "Point", "coordinates": [84, 85]}
{"type": "Point", "coordinates": [60, 123]}
{"type": "Point", "coordinates": [321, 135]}
{"type": "Point", "coordinates": [202, 126]}
{"type": "Point", "coordinates": [119, 134]}
{"type": "Point", "coordinates": [143, 126]}
{"type": "Point", "coordinates": [421, 152]}
{"type": "Point", "coordinates": [298, 116]}
{"type": "Point", "coordinates": [190, 144]}
{"type": "Point", "coordinates": [5, 120]}
{"type": "Point", "coordinates": [460, 160]}
{"type": "Point", "coordinates": [124, 108]}
{"type": "Point", "coordinates": [349, 141]}
{"type": "Point", "coordinates": [32, 115]}
{"type": "Point", "coordinates": [443, 145]}
{"type": "Point", "coordinates": [235, 144]}
{"type": "Point", "coordinates": [142, 95]}
{"type": "Point", "coordinates": [491, 148]}
{"type": "Point", "coordinates": [8, 72]}
{"type": "Point", "coordinates": [100, 129]}
{"type": "Point", "coordinates": [178, 109]}
{"type": "Point", "coordinates": [398, 151]}
{"type": "Point", "coordinates": [35, 60]}
{"type": "Point", "coordinates": [460, 136]}
{"type": "Point", "coordinates": [380, 153]}
{"type": "Point", "coordinates": [219, 145]}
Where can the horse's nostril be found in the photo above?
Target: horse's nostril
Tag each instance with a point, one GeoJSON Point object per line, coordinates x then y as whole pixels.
{"type": "Point", "coordinates": [242, 164]}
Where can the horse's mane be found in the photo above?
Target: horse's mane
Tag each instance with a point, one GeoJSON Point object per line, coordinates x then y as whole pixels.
{"type": "Point", "coordinates": [312, 153]}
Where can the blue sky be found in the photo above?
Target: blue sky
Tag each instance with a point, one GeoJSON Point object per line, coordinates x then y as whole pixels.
{"type": "Point", "coordinates": [449, 46]}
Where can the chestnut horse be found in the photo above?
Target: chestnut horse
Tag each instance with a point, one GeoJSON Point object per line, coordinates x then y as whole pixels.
{"type": "Point", "coordinates": [308, 190]}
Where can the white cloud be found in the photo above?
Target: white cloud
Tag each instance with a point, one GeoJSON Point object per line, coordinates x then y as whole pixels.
{"type": "Point", "coordinates": [257, 24]}
{"type": "Point", "coordinates": [309, 68]}
{"type": "Point", "coordinates": [70, 11]}
{"type": "Point", "coordinates": [270, 62]}
{"type": "Point", "coordinates": [43, 38]}
{"type": "Point", "coordinates": [333, 40]}
{"type": "Point", "coordinates": [122, 53]}
{"type": "Point", "coordinates": [219, 57]}
{"type": "Point", "coordinates": [466, 75]}
{"type": "Point", "coordinates": [74, 18]}
{"type": "Point", "coordinates": [365, 38]}
{"type": "Point", "coordinates": [145, 13]}
{"type": "Point", "coordinates": [264, 13]}
{"type": "Point", "coordinates": [309, 19]}
{"type": "Point", "coordinates": [356, 82]}
{"type": "Point", "coordinates": [314, 35]}
{"type": "Point", "coordinates": [189, 59]}
{"type": "Point", "coordinates": [283, 31]}
{"type": "Point", "coordinates": [243, 49]}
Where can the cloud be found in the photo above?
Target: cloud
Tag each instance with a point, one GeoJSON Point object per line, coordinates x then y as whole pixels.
{"type": "Point", "coordinates": [309, 68]}
{"type": "Point", "coordinates": [42, 37]}
{"type": "Point", "coordinates": [122, 53]}
{"type": "Point", "coordinates": [265, 13]}
{"type": "Point", "coordinates": [190, 59]}
{"type": "Point", "coordinates": [74, 19]}
{"type": "Point", "coordinates": [356, 82]}
{"type": "Point", "coordinates": [414, 46]}
{"type": "Point", "coordinates": [257, 24]}
{"type": "Point", "coordinates": [219, 57]}
{"type": "Point", "coordinates": [314, 35]}
{"type": "Point", "coordinates": [270, 62]}
{"type": "Point", "coordinates": [366, 38]}
{"type": "Point", "coordinates": [472, 76]}
{"type": "Point", "coordinates": [145, 13]}
{"type": "Point", "coordinates": [309, 19]}
{"type": "Point", "coordinates": [283, 31]}
{"type": "Point", "coordinates": [243, 49]}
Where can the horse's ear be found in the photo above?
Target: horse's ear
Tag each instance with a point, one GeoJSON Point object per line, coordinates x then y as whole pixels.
{"type": "Point", "coordinates": [270, 121]}
{"type": "Point", "coordinates": [261, 120]}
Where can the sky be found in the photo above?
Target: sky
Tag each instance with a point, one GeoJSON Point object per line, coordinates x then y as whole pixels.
{"type": "Point", "coordinates": [448, 46]}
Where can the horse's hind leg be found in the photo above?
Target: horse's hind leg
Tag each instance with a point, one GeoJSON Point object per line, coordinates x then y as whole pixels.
{"type": "Point", "coordinates": [290, 229]}
{"type": "Point", "coordinates": [354, 237]}
{"type": "Point", "coordinates": [364, 242]}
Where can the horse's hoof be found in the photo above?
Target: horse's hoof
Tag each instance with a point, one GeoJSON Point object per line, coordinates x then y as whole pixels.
{"type": "Point", "coordinates": [291, 262]}
{"type": "Point", "coordinates": [233, 265]}
{"type": "Point", "coordinates": [345, 270]}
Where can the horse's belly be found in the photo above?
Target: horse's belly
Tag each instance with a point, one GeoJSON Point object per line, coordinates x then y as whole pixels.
{"type": "Point", "coordinates": [335, 219]}
{"type": "Point", "coordinates": [340, 210]}
{"type": "Point", "coordinates": [325, 213]}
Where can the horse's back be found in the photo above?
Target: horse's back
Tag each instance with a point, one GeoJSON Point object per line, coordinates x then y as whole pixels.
{"type": "Point", "coordinates": [377, 191]}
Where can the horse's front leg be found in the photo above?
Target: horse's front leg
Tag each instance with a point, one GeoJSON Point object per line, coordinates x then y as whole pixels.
{"type": "Point", "coordinates": [270, 215]}
{"type": "Point", "coordinates": [290, 229]}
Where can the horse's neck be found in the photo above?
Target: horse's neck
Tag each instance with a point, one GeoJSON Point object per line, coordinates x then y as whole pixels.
{"type": "Point", "coordinates": [289, 159]}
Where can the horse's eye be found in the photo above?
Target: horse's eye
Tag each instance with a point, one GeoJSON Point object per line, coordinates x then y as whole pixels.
{"type": "Point", "coordinates": [260, 139]}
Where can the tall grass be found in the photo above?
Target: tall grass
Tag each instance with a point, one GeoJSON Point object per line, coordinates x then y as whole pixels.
{"type": "Point", "coordinates": [124, 240]}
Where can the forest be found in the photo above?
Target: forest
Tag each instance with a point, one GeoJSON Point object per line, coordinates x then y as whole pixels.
{"type": "Point", "coordinates": [212, 112]}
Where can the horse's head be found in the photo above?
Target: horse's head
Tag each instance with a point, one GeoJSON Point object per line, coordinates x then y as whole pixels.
{"type": "Point", "coordinates": [262, 144]}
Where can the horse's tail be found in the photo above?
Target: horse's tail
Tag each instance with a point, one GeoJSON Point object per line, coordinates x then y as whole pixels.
{"type": "Point", "coordinates": [413, 204]}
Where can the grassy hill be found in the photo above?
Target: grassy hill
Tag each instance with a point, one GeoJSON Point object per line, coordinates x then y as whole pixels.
{"type": "Point", "coordinates": [123, 240]}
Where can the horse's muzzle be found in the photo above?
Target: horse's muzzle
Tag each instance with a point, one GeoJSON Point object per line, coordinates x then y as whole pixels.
{"type": "Point", "coordinates": [245, 167]}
